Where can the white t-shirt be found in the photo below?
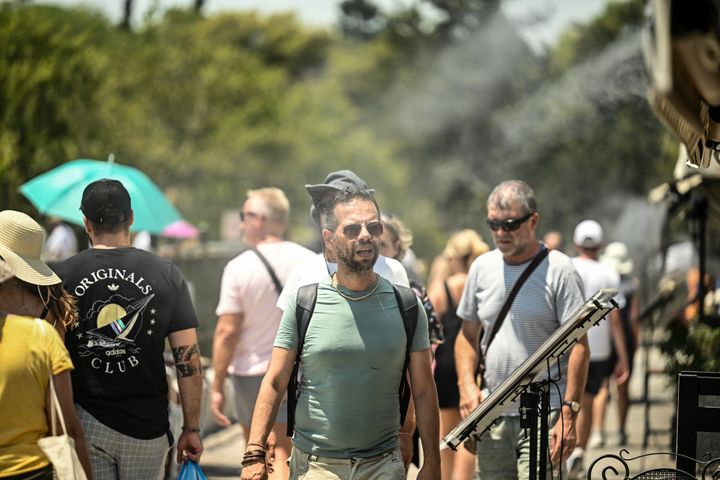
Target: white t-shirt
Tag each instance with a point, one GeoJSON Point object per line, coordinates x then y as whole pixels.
{"type": "Point", "coordinates": [316, 268]}
{"type": "Point", "coordinates": [247, 288]}
{"type": "Point", "coordinates": [61, 244]}
{"type": "Point", "coordinates": [596, 275]}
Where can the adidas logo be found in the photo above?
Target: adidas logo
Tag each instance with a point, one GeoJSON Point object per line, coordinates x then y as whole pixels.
{"type": "Point", "coordinates": [112, 287]}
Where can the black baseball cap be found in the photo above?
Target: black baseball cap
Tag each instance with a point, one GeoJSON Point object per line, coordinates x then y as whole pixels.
{"type": "Point", "coordinates": [106, 201]}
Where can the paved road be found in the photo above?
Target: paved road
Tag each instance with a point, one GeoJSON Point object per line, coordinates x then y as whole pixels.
{"type": "Point", "coordinates": [223, 450]}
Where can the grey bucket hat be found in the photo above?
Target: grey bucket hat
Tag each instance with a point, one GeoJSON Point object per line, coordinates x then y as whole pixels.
{"type": "Point", "coordinates": [334, 182]}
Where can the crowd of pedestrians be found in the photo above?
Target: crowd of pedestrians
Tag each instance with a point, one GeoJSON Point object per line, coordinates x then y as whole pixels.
{"type": "Point", "coordinates": [329, 357]}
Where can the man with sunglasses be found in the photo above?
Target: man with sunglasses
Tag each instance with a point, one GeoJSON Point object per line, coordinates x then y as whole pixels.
{"type": "Point", "coordinates": [347, 416]}
{"type": "Point", "coordinates": [247, 316]}
{"type": "Point", "coordinates": [325, 264]}
{"type": "Point", "coordinates": [549, 297]}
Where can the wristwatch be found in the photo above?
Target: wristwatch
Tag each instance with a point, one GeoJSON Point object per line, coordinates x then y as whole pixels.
{"type": "Point", "coordinates": [574, 406]}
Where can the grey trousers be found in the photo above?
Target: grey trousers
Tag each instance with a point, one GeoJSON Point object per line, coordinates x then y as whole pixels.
{"type": "Point", "coordinates": [503, 452]}
{"type": "Point", "coordinates": [115, 456]}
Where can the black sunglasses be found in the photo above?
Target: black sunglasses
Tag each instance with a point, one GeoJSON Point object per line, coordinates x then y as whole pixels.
{"type": "Point", "coordinates": [510, 224]}
{"type": "Point", "coordinates": [352, 231]}
{"type": "Point", "coordinates": [244, 215]}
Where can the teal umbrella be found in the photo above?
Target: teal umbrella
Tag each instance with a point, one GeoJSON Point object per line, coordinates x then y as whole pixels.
{"type": "Point", "coordinates": [58, 193]}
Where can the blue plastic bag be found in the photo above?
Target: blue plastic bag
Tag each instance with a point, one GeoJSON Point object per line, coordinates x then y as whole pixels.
{"type": "Point", "coordinates": [191, 471]}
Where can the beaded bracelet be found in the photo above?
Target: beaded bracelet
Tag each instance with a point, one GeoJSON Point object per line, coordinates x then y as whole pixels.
{"type": "Point", "coordinates": [189, 429]}
{"type": "Point", "coordinates": [252, 461]}
{"type": "Point", "coordinates": [253, 457]}
{"type": "Point", "coordinates": [258, 453]}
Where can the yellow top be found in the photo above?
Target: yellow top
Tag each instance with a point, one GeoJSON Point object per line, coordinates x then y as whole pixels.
{"type": "Point", "coordinates": [28, 346]}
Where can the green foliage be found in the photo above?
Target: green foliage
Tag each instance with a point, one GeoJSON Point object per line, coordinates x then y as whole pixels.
{"type": "Point", "coordinates": [692, 347]}
{"type": "Point", "coordinates": [432, 110]}
{"type": "Point", "coordinates": [583, 40]}
{"type": "Point", "coordinates": [48, 80]}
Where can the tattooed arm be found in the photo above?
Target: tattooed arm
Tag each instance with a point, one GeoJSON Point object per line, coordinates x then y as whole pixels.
{"type": "Point", "coordinates": [190, 383]}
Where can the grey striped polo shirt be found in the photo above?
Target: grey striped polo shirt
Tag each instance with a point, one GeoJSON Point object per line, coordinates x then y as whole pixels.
{"type": "Point", "coordinates": [548, 298]}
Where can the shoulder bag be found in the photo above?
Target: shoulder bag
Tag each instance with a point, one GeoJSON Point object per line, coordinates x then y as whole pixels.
{"type": "Point", "coordinates": [60, 449]}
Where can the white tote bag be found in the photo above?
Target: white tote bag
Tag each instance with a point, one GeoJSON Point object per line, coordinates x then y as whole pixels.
{"type": "Point", "coordinates": [60, 449]}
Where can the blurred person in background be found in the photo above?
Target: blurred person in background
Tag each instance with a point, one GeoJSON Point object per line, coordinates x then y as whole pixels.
{"type": "Point", "coordinates": [460, 251]}
{"type": "Point", "coordinates": [588, 240]}
{"type": "Point", "coordinates": [32, 355]}
{"type": "Point", "coordinates": [248, 318]}
{"type": "Point", "coordinates": [617, 257]}
{"type": "Point", "coordinates": [396, 239]}
{"type": "Point", "coordinates": [554, 240]}
{"type": "Point", "coordinates": [61, 243]}
{"type": "Point", "coordinates": [395, 243]}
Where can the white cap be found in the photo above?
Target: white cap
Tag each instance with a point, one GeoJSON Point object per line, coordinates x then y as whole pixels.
{"type": "Point", "coordinates": [588, 234]}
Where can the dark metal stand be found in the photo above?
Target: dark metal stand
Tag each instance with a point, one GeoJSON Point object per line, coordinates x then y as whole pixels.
{"type": "Point", "coordinates": [697, 215]}
{"type": "Point", "coordinates": [650, 318]}
{"type": "Point", "coordinates": [534, 408]}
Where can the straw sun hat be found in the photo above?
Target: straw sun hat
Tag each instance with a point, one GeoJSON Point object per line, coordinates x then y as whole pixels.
{"type": "Point", "coordinates": [21, 243]}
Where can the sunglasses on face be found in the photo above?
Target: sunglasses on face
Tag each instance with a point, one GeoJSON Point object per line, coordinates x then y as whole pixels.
{"type": "Point", "coordinates": [244, 215]}
{"type": "Point", "coordinates": [352, 231]}
{"type": "Point", "coordinates": [508, 225]}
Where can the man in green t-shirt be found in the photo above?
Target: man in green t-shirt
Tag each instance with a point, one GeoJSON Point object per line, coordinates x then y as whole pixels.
{"type": "Point", "coordinates": [347, 414]}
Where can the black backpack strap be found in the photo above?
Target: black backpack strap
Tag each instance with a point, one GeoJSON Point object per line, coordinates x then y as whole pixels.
{"type": "Point", "coordinates": [408, 305]}
{"type": "Point", "coordinates": [304, 307]}
{"type": "Point", "coordinates": [276, 281]}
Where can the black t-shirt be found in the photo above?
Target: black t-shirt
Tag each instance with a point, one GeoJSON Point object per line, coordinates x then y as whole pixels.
{"type": "Point", "coordinates": [129, 300]}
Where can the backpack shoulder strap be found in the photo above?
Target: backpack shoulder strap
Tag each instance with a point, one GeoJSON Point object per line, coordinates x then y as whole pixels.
{"type": "Point", "coordinates": [408, 305]}
{"type": "Point", "coordinates": [304, 307]}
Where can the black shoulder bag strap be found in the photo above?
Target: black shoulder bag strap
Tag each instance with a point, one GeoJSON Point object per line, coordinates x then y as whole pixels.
{"type": "Point", "coordinates": [509, 301]}
{"type": "Point", "coordinates": [304, 307]}
{"type": "Point", "coordinates": [276, 281]}
{"type": "Point", "coordinates": [408, 305]}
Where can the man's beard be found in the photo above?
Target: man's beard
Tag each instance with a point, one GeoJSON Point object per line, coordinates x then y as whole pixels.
{"type": "Point", "coordinates": [345, 256]}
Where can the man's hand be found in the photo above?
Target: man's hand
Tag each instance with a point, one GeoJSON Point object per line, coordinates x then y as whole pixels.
{"type": "Point", "coordinates": [217, 404]}
{"type": "Point", "coordinates": [621, 371]}
{"type": "Point", "coordinates": [429, 472]}
{"type": "Point", "coordinates": [406, 448]}
{"type": "Point", "coordinates": [563, 435]}
{"type": "Point", "coordinates": [255, 471]}
{"type": "Point", "coordinates": [470, 398]}
{"type": "Point", "coordinates": [271, 442]}
{"type": "Point", "coordinates": [189, 447]}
